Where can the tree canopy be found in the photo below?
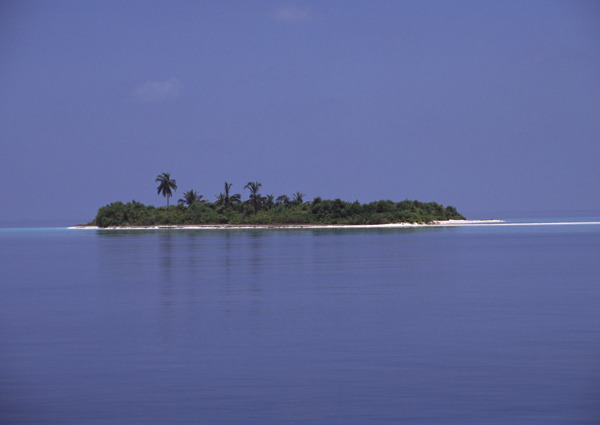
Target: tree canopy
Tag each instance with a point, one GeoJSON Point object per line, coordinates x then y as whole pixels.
{"type": "Point", "coordinates": [229, 209]}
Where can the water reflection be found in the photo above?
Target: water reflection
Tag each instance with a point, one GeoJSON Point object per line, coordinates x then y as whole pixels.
{"type": "Point", "coordinates": [444, 326]}
{"type": "Point", "coordinates": [256, 263]}
{"type": "Point", "coordinates": [166, 260]}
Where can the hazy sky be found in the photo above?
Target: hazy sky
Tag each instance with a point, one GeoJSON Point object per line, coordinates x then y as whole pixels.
{"type": "Point", "coordinates": [487, 106]}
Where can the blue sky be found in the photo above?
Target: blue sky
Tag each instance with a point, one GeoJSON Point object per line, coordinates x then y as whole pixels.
{"type": "Point", "coordinates": [487, 106]}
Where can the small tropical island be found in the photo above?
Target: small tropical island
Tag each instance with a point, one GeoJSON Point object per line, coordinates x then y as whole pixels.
{"type": "Point", "coordinates": [228, 209]}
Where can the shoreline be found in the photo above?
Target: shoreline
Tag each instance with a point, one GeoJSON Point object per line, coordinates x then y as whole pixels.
{"type": "Point", "coordinates": [446, 223]}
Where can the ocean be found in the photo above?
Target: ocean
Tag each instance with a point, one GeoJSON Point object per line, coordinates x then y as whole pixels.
{"type": "Point", "coordinates": [463, 325]}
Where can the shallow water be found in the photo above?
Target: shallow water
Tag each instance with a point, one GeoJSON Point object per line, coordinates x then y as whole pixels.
{"type": "Point", "coordinates": [483, 325]}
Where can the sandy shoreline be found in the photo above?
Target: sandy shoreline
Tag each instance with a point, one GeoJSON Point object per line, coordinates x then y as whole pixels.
{"type": "Point", "coordinates": [446, 223]}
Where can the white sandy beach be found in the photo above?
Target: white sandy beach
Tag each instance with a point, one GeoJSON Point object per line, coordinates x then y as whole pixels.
{"type": "Point", "coordinates": [447, 223]}
{"type": "Point", "coordinates": [294, 226]}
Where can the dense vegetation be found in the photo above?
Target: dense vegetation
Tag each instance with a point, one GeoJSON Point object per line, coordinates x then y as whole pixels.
{"type": "Point", "coordinates": [229, 209]}
{"type": "Point", "coordinates": [315, 212]}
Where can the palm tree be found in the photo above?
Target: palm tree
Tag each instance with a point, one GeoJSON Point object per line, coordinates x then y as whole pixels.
{"type": "Point", "coordinates": [190, 197]}
{"type": "Point", "coordinates": [233, 199]}
{"type": "Point", "coordinates": [269, 201]}
{"type": "Point", "coordinates": [254, 187]}
{"type": "Point", "coordinates": [299, 197]}
{"type": "Point", "coordinates": [220, 199]}
{"type": "Point", "coordinates": [282, 200]}
{"type": "Point", "coordinates": [226, 199]}
{"type": "Point", "coordinates": [165, 185]}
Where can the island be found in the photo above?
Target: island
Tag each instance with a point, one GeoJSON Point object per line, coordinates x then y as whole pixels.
{"type": "Point", "coordinates": [229, 210]}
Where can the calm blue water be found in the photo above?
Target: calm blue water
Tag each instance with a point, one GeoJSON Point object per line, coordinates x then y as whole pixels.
{"type": "Point", "coordinates": [477, 325]}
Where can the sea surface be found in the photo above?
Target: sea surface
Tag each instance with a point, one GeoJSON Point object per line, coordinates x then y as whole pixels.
{"type": "Point", "coordinates": [466, 325]}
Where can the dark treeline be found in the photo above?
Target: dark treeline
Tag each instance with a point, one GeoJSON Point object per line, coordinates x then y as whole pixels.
{"type": "Point", "coordinates": [230, 209]}
{"type": "Point", "coordinates": [316, 212]}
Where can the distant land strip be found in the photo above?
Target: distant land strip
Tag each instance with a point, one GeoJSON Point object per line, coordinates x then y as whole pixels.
{"type": "Point", "coordinates": [318, 212]}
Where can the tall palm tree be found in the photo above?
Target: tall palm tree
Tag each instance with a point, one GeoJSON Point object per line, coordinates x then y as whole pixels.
{"type": "Point", "coordinates": [254, 187]}
{"type": "Point", "coordinates": [165, 184]}
{"type": "Point", "coordinates": [230, 200]}
{"type": "Point", "coordinates": [226, 198]}
{"type": "Point", "coordinates": [190, 197]}
{"type": "Point", "coordinates": [227, 189]}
